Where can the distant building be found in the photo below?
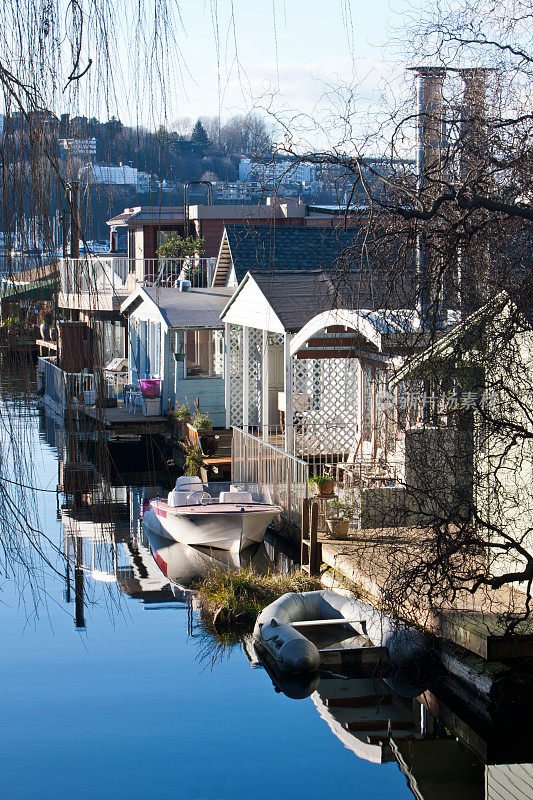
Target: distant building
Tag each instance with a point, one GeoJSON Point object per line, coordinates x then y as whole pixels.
{"type": "Point", "coordinates": [277, 172]}
{"type": "Point", "coordinates": [78, 148]}
{"type": "Point", "coordinates": [111, 175]}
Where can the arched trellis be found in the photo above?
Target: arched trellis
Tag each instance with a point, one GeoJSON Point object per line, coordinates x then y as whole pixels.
{"type": "Point", "coordinates": [333, 370]}
{"type": "Point", "coordinates": [338, 368]}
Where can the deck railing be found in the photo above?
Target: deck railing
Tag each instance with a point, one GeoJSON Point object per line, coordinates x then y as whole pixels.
{"type": "Point", "coordinates": [167, 272]}
{"type": "Point", "coordinates": [63, 387]}
{"type": "Point", "coordinates": [255, 461]}
{"type": "Point", "coordinates": [108, 274]}
{"type": "Point", "coordinates": [94, 275]}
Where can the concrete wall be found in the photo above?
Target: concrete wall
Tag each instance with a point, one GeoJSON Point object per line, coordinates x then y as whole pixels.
{"type": "Point", "coordinates": [438, 482]}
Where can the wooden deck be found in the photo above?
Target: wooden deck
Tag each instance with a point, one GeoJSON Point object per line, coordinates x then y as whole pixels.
{"type": "Point", "coordinates": [477, 622]}
{"type": "Point", "coordinates": [120, 421]}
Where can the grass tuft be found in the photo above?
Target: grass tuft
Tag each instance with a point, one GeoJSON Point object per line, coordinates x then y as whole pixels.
{"type": "Point", "coordinates": [244, 594]}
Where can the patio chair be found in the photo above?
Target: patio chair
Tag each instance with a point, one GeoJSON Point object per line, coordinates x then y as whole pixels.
{"type": "Point", "coordinates": [336, 470]}
{"type": "Point", "coordinates": [132, 397]}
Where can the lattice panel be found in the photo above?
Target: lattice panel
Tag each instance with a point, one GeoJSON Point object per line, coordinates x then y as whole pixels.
{"type": "Point", "coordinates": [255, 349]}
{"type": "Point", "coordinates": [325, 404]}
{"type": "Point", "coordinates": [235, 374]}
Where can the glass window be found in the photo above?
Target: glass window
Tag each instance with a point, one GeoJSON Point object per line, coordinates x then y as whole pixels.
{"type": "Point", "coordinates": [204, 355]}
{"type": "Point", "coordinates": [162, 235]}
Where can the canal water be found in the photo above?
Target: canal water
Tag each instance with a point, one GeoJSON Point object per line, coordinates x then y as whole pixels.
{"type": "Point", "coordinates": [125, 695]}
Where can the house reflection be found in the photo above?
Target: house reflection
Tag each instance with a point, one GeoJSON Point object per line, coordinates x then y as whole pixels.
{"type": "Point", "coordinates": [445, 749]}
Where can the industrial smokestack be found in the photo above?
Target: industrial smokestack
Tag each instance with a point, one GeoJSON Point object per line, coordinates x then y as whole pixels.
{"type": "Point", "coordinates": [431, 125]}
{"type": "Point", "coordinates": [474, 263]}
{"type": "Point", "coordinates": [473, 118]}
{"type": "Point", "coordinates": [430, 141]}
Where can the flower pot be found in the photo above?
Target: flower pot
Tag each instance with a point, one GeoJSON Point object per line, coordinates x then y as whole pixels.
{"type": "Point", "coordinates": [324, 489]}
{"type": "Point", "coordinates": [338, 528]}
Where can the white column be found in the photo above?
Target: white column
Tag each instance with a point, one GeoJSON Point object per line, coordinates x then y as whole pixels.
{"type": "Point", "coordinates": [264, 386]}
{"type": "Point", "coordinates": [245, 376]}
{"type": "Point", "coordinates": [227, 372]}
{"type": "Point", "coordinates": [287, 364]}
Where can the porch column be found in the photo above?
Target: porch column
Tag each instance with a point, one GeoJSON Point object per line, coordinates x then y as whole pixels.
{"type": "Point", "coordinates": [264, 387]}
{"type": "Point", "coordinates": [227, 373]}
{"type": "Point", "coordinates": [245, 376]}
{"type": "Point", "coordinates": [289, 443]}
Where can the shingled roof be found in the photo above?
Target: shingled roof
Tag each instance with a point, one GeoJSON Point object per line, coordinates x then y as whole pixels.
{"type": "Point", "coordinates": [297, 297]}
{"type": "Point", "coordinates": [285, 247]}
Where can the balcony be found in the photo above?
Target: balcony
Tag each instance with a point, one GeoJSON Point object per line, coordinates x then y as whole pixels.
{"type": "Point", "coordinates": [103, 281]}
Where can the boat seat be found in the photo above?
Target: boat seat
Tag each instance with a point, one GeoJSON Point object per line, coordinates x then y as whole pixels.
{"type": "Point", "coordinates": [235, 497]}
{"type": "Point", "coordinates": [178, 498]}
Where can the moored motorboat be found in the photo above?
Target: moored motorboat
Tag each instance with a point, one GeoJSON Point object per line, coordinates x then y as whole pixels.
{"type": "Point", "coordinates": [217, 515]}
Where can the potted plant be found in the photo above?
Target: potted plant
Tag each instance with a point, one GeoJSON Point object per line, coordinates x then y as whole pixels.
{"type": "Point", "coordinates": [338, 519]}
{"type": "Point", "coordinates": [193, 458]}
{"type": "Point", "coordinates": [322, 485]}
{"type": "Point", "coordinates": [204, 426]}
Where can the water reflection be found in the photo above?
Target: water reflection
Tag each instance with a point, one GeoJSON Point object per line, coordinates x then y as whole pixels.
{"type": "Point", "coordinates": [444, 746]}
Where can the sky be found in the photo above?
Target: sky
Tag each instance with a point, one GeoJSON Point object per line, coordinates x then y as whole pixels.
{"type": "Point", "coordinates": [285, 57]}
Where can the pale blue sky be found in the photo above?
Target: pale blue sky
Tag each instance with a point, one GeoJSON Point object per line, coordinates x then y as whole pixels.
{"type": "Point", "coordinates": [281, 54]}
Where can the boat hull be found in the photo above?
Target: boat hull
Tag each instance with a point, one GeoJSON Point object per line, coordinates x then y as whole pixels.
{"type": "Point", "coordinates": [225, 526]}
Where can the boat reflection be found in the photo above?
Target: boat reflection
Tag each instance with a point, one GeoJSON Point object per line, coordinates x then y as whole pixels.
{"type": "Point", "coordinates": [184, 565]}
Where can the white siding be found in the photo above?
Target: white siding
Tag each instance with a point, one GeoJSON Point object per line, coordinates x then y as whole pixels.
{"type": "Point", "coordinates": [252, 310]}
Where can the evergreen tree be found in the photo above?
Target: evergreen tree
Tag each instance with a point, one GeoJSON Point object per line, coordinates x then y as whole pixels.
{"type": "Point", "coordinates": [199, 136]}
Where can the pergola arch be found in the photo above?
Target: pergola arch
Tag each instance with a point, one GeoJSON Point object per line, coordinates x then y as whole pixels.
{"type": "Point", "coordinates": [360, 322]}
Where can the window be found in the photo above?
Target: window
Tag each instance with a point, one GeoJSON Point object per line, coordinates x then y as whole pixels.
{"type": "Point", "coordinates": [162, 236]}
{"type": "Point", "coordinates": [204, 354]}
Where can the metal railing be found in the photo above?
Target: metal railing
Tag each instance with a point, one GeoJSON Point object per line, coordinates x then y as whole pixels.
{"type": "Point", "coordinates": [286, 477]}
{"type": "Point", "coordinates": [94, 275]}
{"type": "Point", "coordinates": [104, 274]}
{"type": "Point", "coordinates": [166, 272]}
{"type": "Point", "coordinates": [63, 387]}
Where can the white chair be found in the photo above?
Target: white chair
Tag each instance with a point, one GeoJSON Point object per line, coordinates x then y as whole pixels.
{"type": "Point", "coordinates": [132, 398]}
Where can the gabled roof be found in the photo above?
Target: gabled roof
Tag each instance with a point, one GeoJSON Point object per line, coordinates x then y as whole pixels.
{"type": "Point", "coordinates": [284, 247]}
{"type": "Point", "coordinates": [197, 308]}
{"type": "Point", "coordinates": [294, 296]}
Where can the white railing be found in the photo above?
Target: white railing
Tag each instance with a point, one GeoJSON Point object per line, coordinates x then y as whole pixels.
{"type": "Point", "coordinates": [63, 387]}
{"type": "Point", "coordinates": [109, 274]}
{"type": "Point", "coordinates": [255, 461]}
{"type": "Point", "coordinates": [94, 275]}
{"type": "Point", "coordinates": [167, 272]}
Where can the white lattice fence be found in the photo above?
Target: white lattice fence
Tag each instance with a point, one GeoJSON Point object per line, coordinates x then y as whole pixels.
{"type": "Point", "coordinates": [255, 348]}
{"type": "Point", "coordinates": [325, 403]}
{"type": "Point", "coordinates": [236, 374]}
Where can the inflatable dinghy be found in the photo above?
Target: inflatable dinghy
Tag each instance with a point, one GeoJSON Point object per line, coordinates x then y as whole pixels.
{"type": "Point", "coordinates": [289, 630]}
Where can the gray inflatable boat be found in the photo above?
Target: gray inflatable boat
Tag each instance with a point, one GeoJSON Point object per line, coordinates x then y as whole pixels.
{"type": "Point", "coordinates": [291, 628]}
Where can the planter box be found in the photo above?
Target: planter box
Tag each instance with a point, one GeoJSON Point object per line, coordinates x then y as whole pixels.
{"type": "Point", "coordinates": [151, 406]}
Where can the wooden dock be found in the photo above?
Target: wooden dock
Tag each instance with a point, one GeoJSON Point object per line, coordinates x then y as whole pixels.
{"type": "Point", "coordinates": [121, 422]}
{"type": "Point", "coordinates": [476, 621]}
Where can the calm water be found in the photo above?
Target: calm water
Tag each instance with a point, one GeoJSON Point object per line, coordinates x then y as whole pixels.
{"type": "Point", "coordinates": [129, 703]}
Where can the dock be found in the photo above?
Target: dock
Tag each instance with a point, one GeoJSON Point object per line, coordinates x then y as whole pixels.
{"type": "Point", "coordinates": [120, 422]}
{"type": "Point", "coordinates": [473, 621]}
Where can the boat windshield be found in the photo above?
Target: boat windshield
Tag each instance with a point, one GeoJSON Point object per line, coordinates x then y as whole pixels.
{"type": "Point", "coordinates": [258, 491]}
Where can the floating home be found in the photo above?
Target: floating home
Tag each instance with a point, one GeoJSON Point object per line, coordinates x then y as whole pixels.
{"type": "Point", "coordinates": [177, 337]}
